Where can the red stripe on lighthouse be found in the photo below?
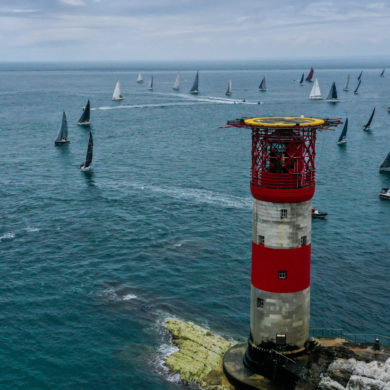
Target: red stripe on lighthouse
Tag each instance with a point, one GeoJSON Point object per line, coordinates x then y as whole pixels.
{"type": "Point", "coordinates": [267, 262]}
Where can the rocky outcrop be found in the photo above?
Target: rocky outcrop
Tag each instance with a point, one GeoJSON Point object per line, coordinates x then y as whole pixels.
{"type": "Point", "coordinates": [200, 354]}
{"type": "Point", "coordinates": [353, 374]}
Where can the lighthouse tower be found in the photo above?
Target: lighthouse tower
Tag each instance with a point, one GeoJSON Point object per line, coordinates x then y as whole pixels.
{"type": "Point", "coordinates": [282, 185]}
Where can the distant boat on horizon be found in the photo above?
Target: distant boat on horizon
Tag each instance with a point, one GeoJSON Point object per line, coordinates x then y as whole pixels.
{"type": "Point", "coordinates": [360, 76]}
{"type": "Point", "coordinates": [116, 96]}
{"type": "Point", "coordinates": [229, 89]}
{"type": "Point", "coordinates": [176, 84]}
{"type": "Point", "coordinates": [332, 96]}
{"type": "Point", "coordinates": [150, 88]}
{"type": "Point", "coordinates": [140, 79]}
{"type": "Point", "coordinates": [342, 139]}
{"type": "Point", "coordinates": [86, 166]}
{"type": "Point", "coordinates": [382, 73]}
{"type": "Point", "coordinates": [315, 93]}
{"type": "Point", "coordinates": [263, 85]}
{"type": "Point", "coordinates": [85, 119]}
{"type": "Point", "coordinates": [346, 88]}
{"type": "Point", "coordinates": [368, 124]}
{"type": "Point", "coordinates": [62, 137]}
{"type": "Point", "coordinates": [302, 78]}
{"type": "Point", "coordinates": [310, 75]}
{"type": "Point", "coordinates": [195, 87]}
{"type": "Point", "coordinates": [357, 87]}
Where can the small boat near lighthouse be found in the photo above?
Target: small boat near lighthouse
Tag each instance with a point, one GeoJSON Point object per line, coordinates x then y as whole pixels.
{"type": "Point", "coordinates": [332, 96]}
{"type": "Point", "coordinates": [315, 93]}
{"type": "Point", "coordinates": [343, 136]}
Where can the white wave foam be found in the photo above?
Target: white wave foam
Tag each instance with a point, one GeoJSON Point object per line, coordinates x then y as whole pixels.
{"type": "Point", "coordinates": [129, 297]}
{"type": "Point", "coordinates": [142, 106]}
{"type": "Point", "coordinates": [31, 229]}
{"type": "Point", "coordinates": [7, 236]}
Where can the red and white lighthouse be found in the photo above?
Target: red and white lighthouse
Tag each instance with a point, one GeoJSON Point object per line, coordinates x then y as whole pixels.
{"type": "Point", "coordinates": [282, 185]}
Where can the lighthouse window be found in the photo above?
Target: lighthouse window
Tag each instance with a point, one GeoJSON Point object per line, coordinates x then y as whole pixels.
{"type": "Point", "coordinates": [282, 274]}
{"type": "Point", "coordinates": [261, 239]}
{"type": "Point", "coordinates": [260, 303]}
{"type": "Point", "coordinates": [283, 213]}
{"type": "Point", "coordinates": [303, 240]}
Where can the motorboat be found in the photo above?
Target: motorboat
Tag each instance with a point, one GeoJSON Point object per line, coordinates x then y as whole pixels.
{"type": "Point", "coordinates": [385, 193]}
{"type": "Point", "coordinates": [318, 214]}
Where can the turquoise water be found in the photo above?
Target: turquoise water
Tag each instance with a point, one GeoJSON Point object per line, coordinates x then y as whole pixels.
{"type": "Point", "coordinates": [93, 264]}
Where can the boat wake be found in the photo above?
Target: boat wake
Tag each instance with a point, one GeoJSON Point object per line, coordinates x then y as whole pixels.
{"type": "Point", "coordinates": [210, 99]}
{"type": "Point", "coordinates": [133, 106]}
{"type": "Point", "coordinates": [7, 236]}
{"type": "Point", "coordinates": [200, 196]}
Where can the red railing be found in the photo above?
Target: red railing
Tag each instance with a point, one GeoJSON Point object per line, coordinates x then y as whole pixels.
{"type": "Point", "coordinates": [283, 180]}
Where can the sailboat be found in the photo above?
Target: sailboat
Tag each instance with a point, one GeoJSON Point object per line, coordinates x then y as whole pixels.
{"type": "Point", "coordinates": [140, 79]}
{"type": "Point", "coordinates": [151, 84]}
{"type": "Point", "coordinates": [310, 75]}
{"type": "Point", "coordinates": [342, 140]}
{"type": "Point", "coordinates": [357, 87]}
{"type": "Point", "coordinates": [263, 85]}
{"type": "Point", "coordinates": [382, 73]}
{"type": "Point", "coordinates": [368, 124]}
{"type": "Point", "coordinates": [86, 166]}
{"type": "Point", "coordinates": [385, 166]}
{"type": "Point", "coordinates": [315, 93]}
{"type": "Point", "coordinates": [229, 89]}
{"type": "Point", "coordinates": [117, 92]}
{"type": "Point", "coordinates": [360, 76]}
{"type": "Point", "coordinates": [176, 84]}
{"type": "Point", "coordinates": [195, 87]}
{"type": "Point", "coordinates": [85, 119]}
{"type": "Point", "coordinates": [62, 137]}
{"type": "Point", "coordinates": [302, 78]}
{"type": "Point", "coordinates": [346, 88]}
{"type": "Point", "coordinates": [332, 97]}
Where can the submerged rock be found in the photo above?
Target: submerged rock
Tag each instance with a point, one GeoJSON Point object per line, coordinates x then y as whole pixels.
{"type": "Point", "coordinates": [200, 354]}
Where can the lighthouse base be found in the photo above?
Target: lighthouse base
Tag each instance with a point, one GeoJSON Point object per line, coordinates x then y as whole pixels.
{"type": "Point", "coordinates": [239, 375]}
{"type": "Point", "coordinates": [248, 370]}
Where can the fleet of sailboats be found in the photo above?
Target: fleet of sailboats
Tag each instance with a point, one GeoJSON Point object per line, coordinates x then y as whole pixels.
{"type": "Point", "coordinates": [346, 88]}
{"type": "Point", "coordinates": [310, 75]}
{"type": "Point", "coordinates": [332, 96]}
{"type": "Point", "coordinates": [86, 165]}
{"type": "Point", "coordinates": [263, 85]}
{"type": "Point", "coordinates": [176, 84]}
{"type": "Point", "coordinates": [150, 88]}
{"type": "Point", "coordinates": [116, 96]}
{"type": "Point", "coordinates": [85, 119]}
{"type": "Point", "coordinates": [195, 87]}
{"type": "Point", "coordinates": [315, 93]}
{"type": "Point", "coordinates": [229, 89]}
{"type": "Point", "coordinates": [357, 87]}
{"type": "Point", "coordinates": [343, 136]}
{"type": "Point", "coordinates": [385, 166]}
{"type": "Point", "coordinates": [62, 137]}
{"type": "Point", "coordinates": [368, 124]}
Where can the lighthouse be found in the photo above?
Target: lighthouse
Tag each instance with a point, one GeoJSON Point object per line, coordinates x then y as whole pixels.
{"type": "Point", "coordinates": [282, 185]}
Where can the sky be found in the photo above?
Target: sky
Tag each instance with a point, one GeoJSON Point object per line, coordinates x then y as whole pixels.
{"type": "Point", "coordinates": [187, 30]}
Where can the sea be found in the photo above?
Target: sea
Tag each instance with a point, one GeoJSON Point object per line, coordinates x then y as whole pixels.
{"type": "Point", "coordinates": [92, 264]}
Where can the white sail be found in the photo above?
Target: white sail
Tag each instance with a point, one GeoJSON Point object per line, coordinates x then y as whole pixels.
{"type": "Point", "coordinates": [315, 91]}
{"type": "Point", "coordinates": [176, 85]}
{"type": "Point", "coordinates": [139, 78]}
{"type": "Point", "coordinates": [117, 92]}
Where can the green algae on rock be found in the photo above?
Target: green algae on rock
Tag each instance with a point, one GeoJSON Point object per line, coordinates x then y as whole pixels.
{"type": "Point", "coordinates": [200, 354]}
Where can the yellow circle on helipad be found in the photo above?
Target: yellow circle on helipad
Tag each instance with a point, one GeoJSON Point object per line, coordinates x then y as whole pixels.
{"type": "Point", "coordinates": [284, 121]}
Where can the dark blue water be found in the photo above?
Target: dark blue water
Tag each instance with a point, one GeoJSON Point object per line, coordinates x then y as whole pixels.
{"type": "Point", "coordinates": [92, 265]}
